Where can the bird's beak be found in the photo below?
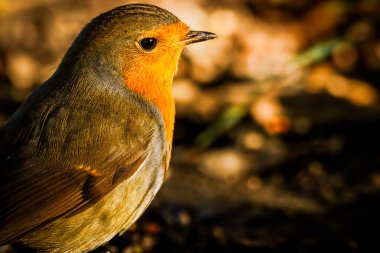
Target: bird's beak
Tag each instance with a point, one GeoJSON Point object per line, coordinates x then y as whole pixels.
{"type": "Point", "coordinates": [197, 36]}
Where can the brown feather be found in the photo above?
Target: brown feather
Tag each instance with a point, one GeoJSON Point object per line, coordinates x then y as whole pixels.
{"type": "Point", "coordinates": [44, 177]}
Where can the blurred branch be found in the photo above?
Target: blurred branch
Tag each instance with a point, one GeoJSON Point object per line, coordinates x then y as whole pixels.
{"type": "Point", "coordinates": [233, 114]}
{"type": "Point", "coordinates": [316, 53]}
{"type": "Point", "coordinates": [230, 117]}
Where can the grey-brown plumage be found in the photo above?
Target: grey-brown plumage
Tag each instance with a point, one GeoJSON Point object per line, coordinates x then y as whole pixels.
{"type": "Point", "coordinates": [85, 154]}
{"type": "Point", "coordinates": [72, 142]}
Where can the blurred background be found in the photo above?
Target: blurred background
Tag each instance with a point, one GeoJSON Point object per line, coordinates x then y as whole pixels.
{"type": "Point", "coordinates": [276, 145]}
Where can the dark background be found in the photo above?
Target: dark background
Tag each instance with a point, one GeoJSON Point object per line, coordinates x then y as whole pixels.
{"type": "Point", "coordinates": [276, 145]}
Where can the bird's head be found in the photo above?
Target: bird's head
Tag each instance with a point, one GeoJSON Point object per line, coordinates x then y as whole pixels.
{"type": "Point", "coordinates": [137, 40]}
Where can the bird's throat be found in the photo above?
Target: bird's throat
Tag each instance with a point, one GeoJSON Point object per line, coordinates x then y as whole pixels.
{"type": "Point", "coordinates": [155, 86]}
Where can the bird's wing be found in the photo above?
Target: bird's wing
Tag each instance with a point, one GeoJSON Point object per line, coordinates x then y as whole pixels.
{"type": "Point", "coordinates": [35, 199]}
{"type": "Point", "coordinates": [38, 187]}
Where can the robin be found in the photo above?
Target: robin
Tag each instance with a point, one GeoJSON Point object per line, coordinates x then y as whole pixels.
{"type": "Point", "coordinates": [86, 153]}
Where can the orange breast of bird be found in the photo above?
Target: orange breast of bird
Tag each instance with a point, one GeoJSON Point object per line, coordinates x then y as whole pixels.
{"type": "Point", "coordinates": [151, 75]}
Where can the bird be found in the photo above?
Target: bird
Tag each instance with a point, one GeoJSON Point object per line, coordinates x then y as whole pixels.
{"type": "Point", "coordinates": [84, 155]}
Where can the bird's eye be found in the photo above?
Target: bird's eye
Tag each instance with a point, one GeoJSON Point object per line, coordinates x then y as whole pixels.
{"type": "Point", "coordinates": [148, 44]}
